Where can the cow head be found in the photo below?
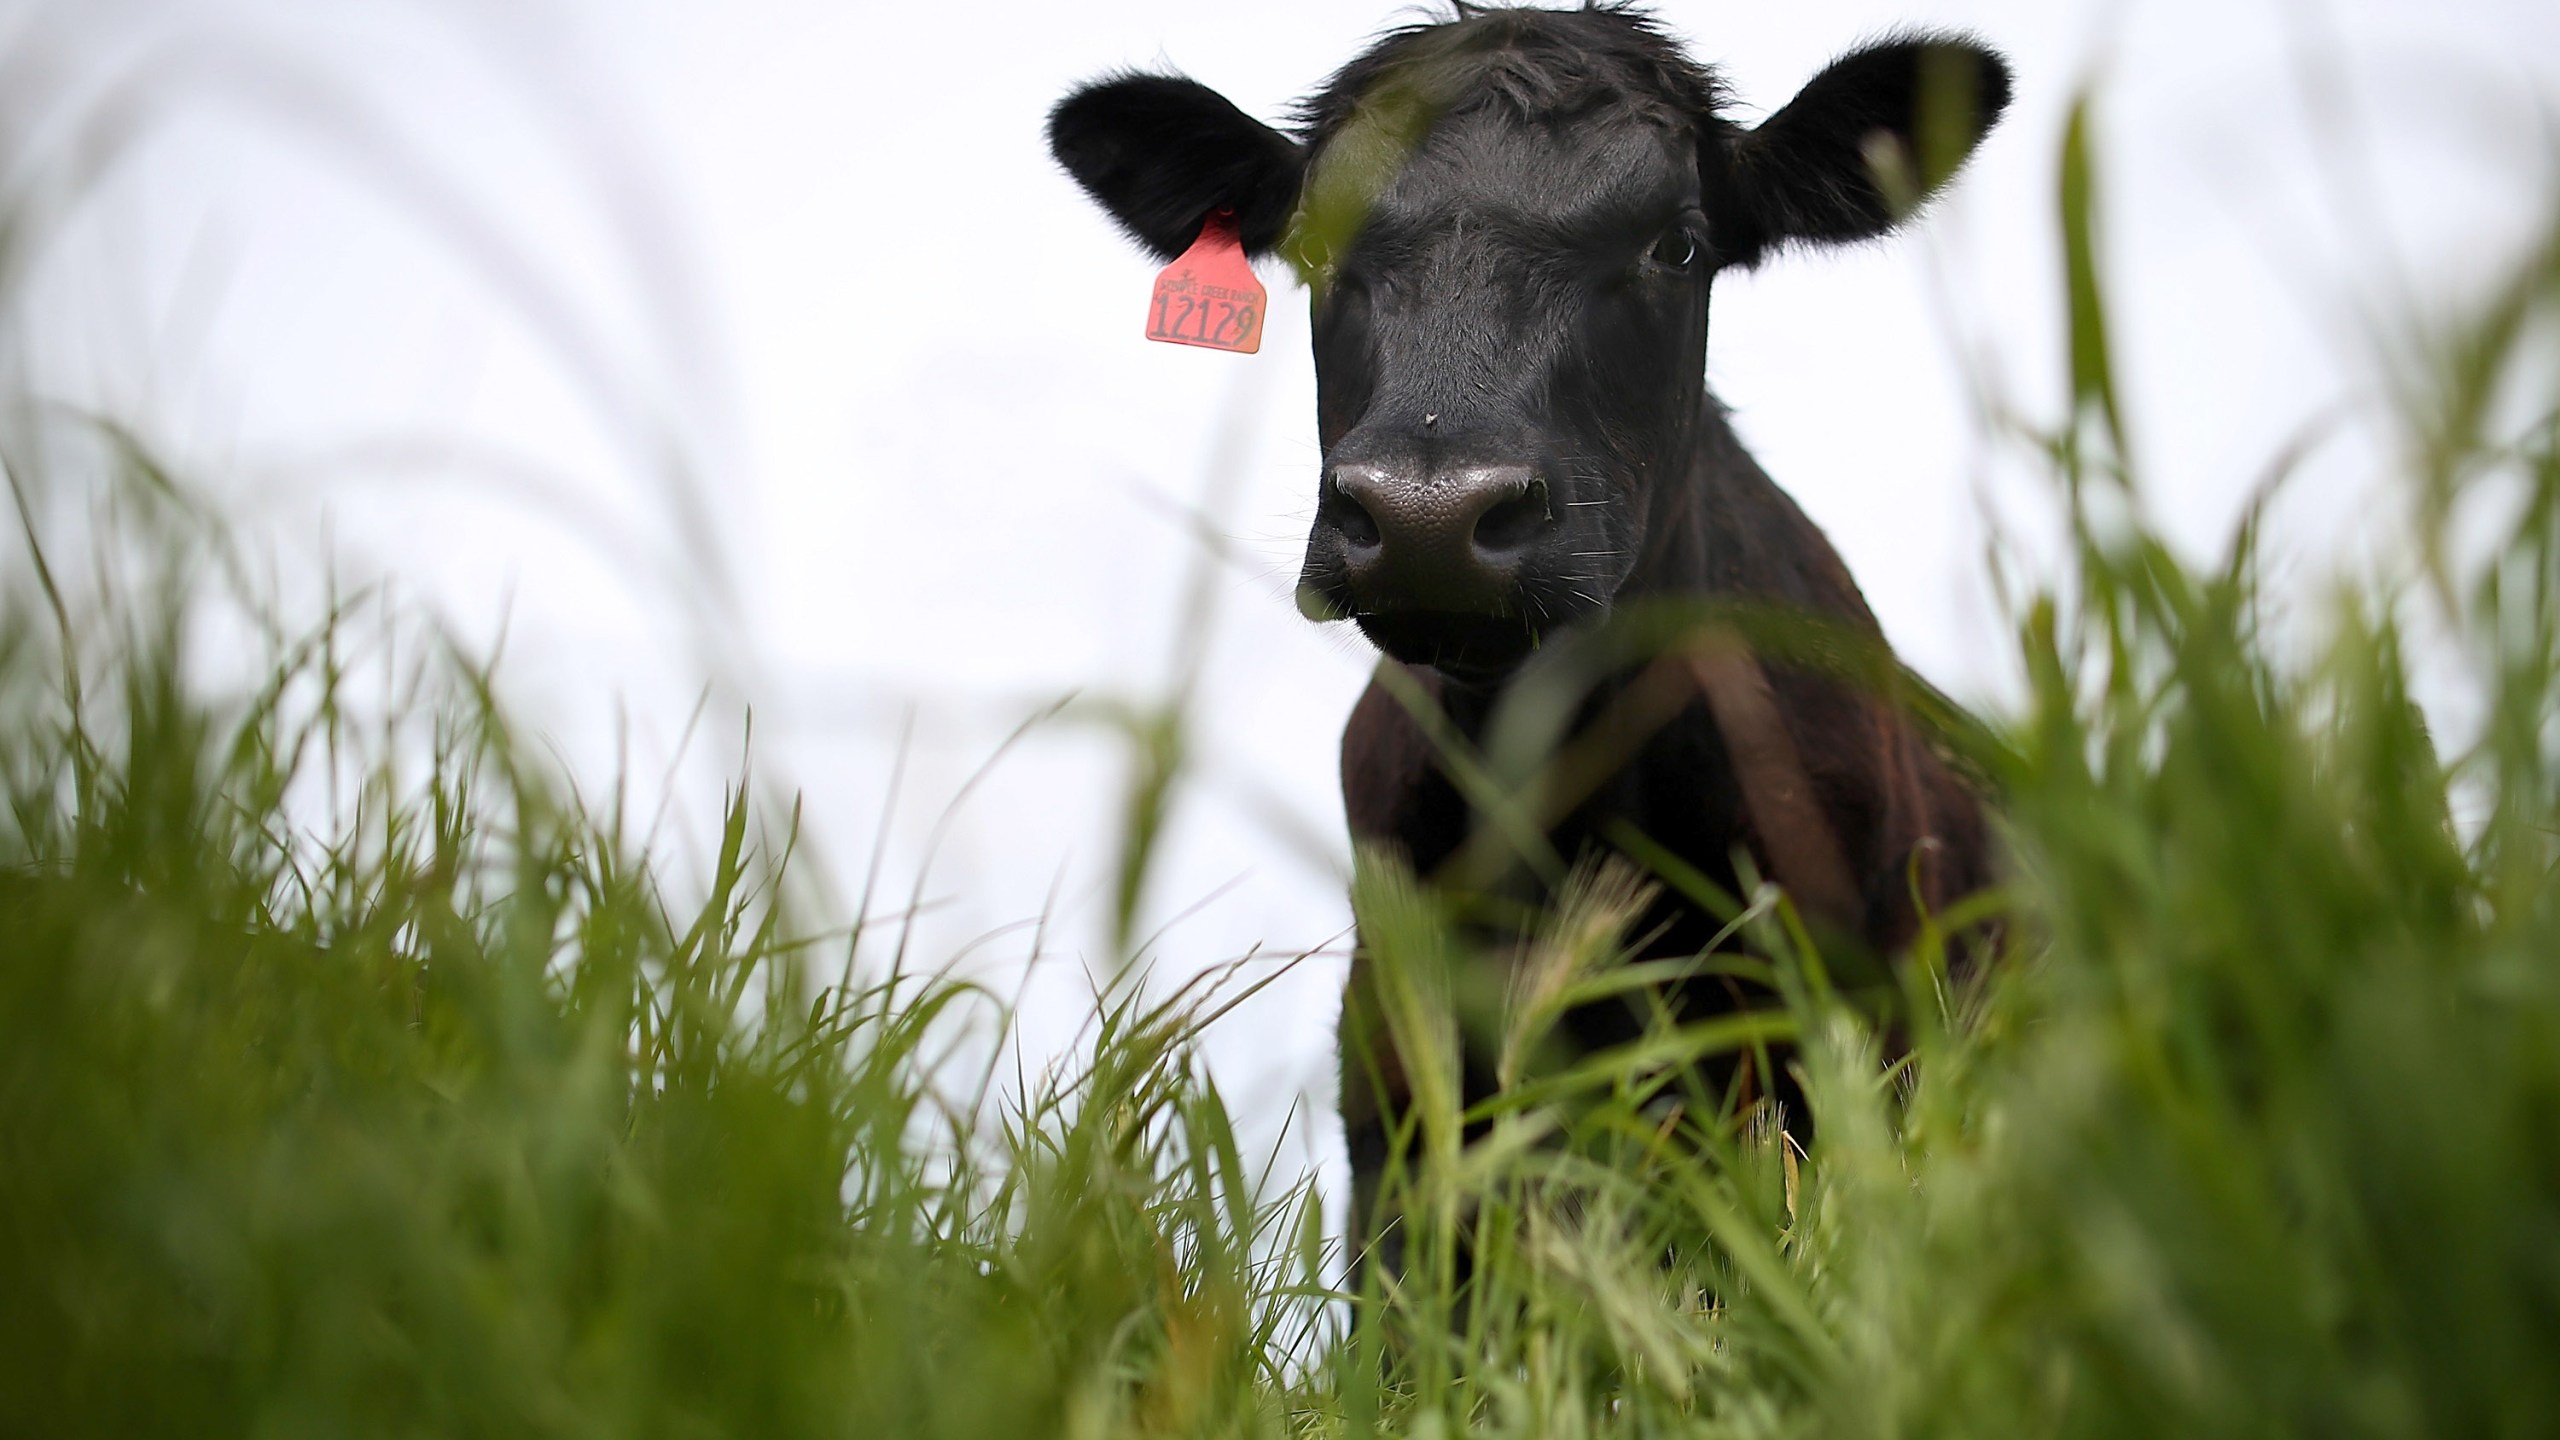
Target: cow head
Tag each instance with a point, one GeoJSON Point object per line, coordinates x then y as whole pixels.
{"type": "Point", "coordinates": [1509, 225]}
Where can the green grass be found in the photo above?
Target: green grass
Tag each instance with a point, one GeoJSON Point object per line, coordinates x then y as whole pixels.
{"type": "Point", "coordinates": [356, 1079]}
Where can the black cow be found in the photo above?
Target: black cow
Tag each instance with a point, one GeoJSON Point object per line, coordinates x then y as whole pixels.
{"type": "Point", "coordinates": [1510, 223]}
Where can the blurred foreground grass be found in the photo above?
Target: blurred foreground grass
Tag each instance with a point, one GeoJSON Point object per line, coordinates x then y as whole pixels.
{"type": "Point", "coordinates": [356, 1079]}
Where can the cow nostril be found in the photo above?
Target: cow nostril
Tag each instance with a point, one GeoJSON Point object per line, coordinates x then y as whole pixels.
{"type": "Point", "coordinates": [1349, 516]}
{"type": "Point", "coordinates": [1514, 520]}
{"type": "Point", "coordinates": [1355, 522]}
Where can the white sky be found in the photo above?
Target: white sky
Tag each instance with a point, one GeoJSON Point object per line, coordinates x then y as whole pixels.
{"type": "Point", "coordinates": [758, 344]}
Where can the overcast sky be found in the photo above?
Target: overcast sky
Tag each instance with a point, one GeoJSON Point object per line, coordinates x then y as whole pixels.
{"type": "Point", "coordinates": [758, 345]}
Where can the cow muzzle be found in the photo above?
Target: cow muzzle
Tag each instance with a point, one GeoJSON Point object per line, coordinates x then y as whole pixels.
{"type": "Point", "coordinates": [1429, 560]}
{"type": "Point", "coordinates": [1450, 540]}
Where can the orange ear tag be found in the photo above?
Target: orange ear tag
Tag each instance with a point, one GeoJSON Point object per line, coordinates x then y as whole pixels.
{"type": "Point", "coordinates": [1208, 295]}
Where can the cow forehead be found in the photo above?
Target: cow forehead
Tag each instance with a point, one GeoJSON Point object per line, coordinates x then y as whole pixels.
{"type": "Point", "coordinates": [1558, 181]}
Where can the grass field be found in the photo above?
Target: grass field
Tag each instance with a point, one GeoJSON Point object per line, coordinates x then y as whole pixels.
{"type": "Point", "coordinates": [356, 1079]}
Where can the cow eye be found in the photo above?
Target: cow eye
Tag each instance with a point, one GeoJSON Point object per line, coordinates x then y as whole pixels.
{"type": "Point", "coordinates": [1314, 258]}
{"type": "Point", "coordinates": [1677, 248]}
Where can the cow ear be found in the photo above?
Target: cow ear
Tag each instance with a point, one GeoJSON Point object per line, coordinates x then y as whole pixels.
{"type": "Point", "coordinates": [1865, 143]}
{"type": "Point", "coordinates": [1160, 152]}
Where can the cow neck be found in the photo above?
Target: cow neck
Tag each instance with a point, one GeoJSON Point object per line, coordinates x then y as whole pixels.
{"type": "Point", "coordinates": [1679, 532]}
{"type": "Point", "coordinates": [1727, 532]}
{"type": "Point", "coordinates": [1469, 701]}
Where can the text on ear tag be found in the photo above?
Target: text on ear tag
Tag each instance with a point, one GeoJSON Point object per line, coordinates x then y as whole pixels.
{"type": "Point", "coordinates": [1208, 295]}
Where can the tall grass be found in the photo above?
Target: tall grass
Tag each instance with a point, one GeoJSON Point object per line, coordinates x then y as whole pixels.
{"type": "Point", "coordinates": [420, 1106]}
{"type": "Point", "coordinates": [353, 1078]}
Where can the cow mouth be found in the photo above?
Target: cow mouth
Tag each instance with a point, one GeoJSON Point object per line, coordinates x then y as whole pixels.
{"type": "Point", "coordinates": [1454, 642]}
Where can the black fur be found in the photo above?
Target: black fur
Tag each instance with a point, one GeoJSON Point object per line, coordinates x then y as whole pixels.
{"type": "Point", "coordinates": [1160, 152]}
{"type": "Point", "coordinates": [1804, 173]}
{"type": "Point", "coordinates": [1510, 335]}
{"type": "Point", "coordinates": [1558, 63]}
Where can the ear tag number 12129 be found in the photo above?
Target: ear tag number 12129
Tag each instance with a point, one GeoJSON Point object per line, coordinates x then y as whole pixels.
{"type": "Point", "coordinates": [1208, 295]}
